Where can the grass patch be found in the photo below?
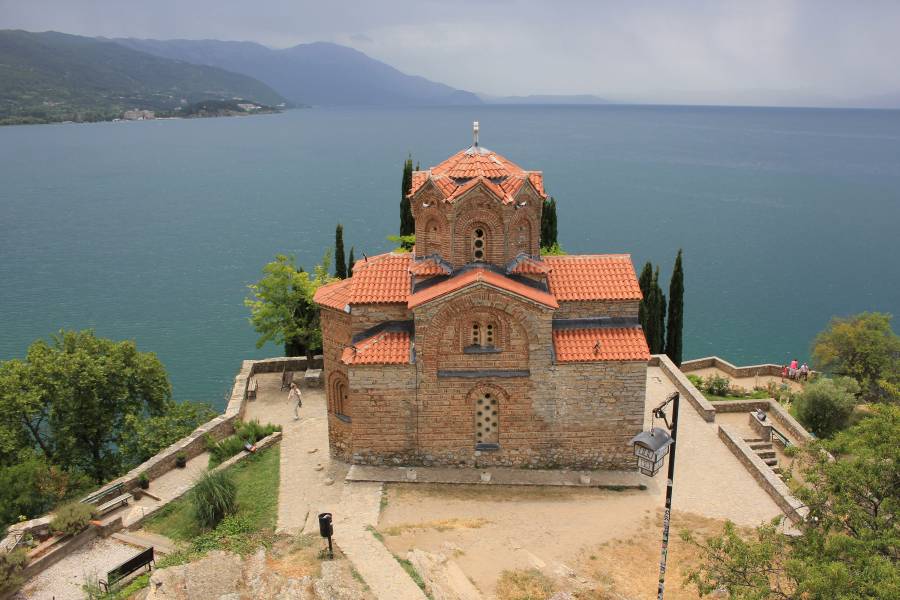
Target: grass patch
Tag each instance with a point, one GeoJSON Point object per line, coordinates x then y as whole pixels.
{"type": "Point", "coordinates": [754, 395]}
{"type": "Point", "coordinates": [529, 584]}
{"type": "Point", "coordinates": [414, 574]}
{"type": "Point", "coordinates": [256, 479]}
{"type": "Point", "coordinates": [359, 578]}
{"type": "Point", "coordinates": [441, 525]}
{"type": "Point", "coordinates": [375, 533]}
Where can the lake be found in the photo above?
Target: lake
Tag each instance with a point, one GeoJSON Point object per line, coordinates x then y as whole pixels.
{"type": "Point", "coordinates": [152, 230]}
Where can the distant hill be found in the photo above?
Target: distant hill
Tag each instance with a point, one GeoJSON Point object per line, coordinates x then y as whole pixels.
{"type": "Point", "coordinates": [55, 76]}
{"type": "Point", "coordinates": [545, 99]}
{"type": "Point", "coordinates": [320, 73]}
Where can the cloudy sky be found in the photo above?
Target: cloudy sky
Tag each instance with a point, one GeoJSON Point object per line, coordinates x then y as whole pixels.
{"type": "Point", "coordinates": [819, 52]}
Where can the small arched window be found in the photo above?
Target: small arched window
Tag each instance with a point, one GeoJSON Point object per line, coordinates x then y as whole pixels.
{"type": "Point", "coordinates": [483, 334]}
{"type": "Point", "coordinates": [487, 420]}
{"type": "Point", "coordinates": [476, 334]}
{"type": "Point", "coordinates": [341, 400]}
{"type": "Point", "coordinates": [478, 245]}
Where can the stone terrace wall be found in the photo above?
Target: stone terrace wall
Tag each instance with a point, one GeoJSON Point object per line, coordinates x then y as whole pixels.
{"type": "Point", "coordinates": [684, 386]}
{"type": "Point", "coordinates": [729, 369]}
{"type": "Point", "coordinates": [775, 411]}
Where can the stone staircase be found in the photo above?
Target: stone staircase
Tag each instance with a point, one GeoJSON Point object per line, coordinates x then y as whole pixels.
{"type": "Point", "coordinates": [766, 451]}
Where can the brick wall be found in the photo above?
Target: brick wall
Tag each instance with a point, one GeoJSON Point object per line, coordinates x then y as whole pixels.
{"type": "Point", "coordinates": [367, 316]}
{"type": "Point", "coordinates": [597, 308]}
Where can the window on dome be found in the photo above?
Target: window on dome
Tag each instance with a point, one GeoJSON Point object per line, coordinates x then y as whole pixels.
{"type": "Point", "coordinates": [478, 245]}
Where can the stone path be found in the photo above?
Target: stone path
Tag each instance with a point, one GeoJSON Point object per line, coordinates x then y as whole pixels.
{"type": "Point", "coordinates": [312, 483]}
{"type": "Point", "coordinates": [167, 486]}
{"type": "Point", "coordinates": [65, 578]}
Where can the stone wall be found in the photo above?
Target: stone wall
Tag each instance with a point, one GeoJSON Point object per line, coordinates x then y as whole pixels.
{"type": "Point", "coordinates": [684, 386]}
{"type": "Point", "coordinates": [597, 308]}
{"type": "Point", "coordinates": [764, 475]}
{"type": "Point", "coordinates": [773, 409]}
{"type": "Point", "coordinates": [730, 369]}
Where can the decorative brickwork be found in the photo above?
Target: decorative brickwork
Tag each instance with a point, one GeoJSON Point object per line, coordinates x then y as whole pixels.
{"type": "Point", "coordinates": [455, 363]}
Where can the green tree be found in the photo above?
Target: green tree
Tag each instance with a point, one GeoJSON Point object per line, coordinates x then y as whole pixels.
{"type": "Point", "coordinates": [825, 405]}
{"type": "Point", "coordinates": [548, 224]}
{"type": "Point", "coordinates": [645, 282]}
{"type": "Point", "coordinates": [145, 436]}
{"type": "Point", "coordinates": [847, 547]}
{"type": "Point", "coordinates": [407, 223]}
{"type": "Point", "coordinates": [651, 311]}
{"type": "Point", "coordinates": [350, 262]}
{"type": "Point", "coordinates": [660, 315]}
{"type": "Point", "coordinates": [31, 486]}
{"type": "Point", "coordinates": [71, 397]}
{"type": "Point", "coordinates": [674, 331]}
{"type": "Point", "coordinates": [282, 309]}
{"type": "Point", "coordinates": [340, 263]}
{"type": "Point", "coordinates": [865, 348]}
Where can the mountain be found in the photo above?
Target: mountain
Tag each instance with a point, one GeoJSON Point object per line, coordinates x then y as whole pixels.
{"type": "Point", "coordinates": [55, 76]}
{"type": "Point", "coordinates": [576, 99]}
{"type": "Point", "coordinates": [320, 73]}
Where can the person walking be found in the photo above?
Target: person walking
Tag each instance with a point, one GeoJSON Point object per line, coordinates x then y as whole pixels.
{"type": "Point", "coordinates": [295, 399]}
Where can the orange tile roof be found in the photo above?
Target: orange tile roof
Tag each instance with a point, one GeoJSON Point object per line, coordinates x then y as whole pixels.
{"type": "Point", "coordinates": [466, 168]}
{"type": "Point", "coordinates": [382, 279]}
{"type": "Point", "coordinates": [592, 277]}
{"type": "Point", "coordinates": [487, 276]}
{"type": "Point", "coordinates": [600, 344]}
{"type": "Point", "coordinates": [429, 266]}
{"type": "Point", "coordinates": [526, 265]}
{"type": "Point", "coordinates": [383, 348]}
{"type": "Point", "coordinates": [334, 295]}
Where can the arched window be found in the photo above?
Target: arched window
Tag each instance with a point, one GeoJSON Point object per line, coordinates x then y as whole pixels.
{"type": "Point", "coordinates": [487, 420]}
{"type": "Point", "coordinates": [478, 244]}
{"type": "Point", "coordinates": [340, 400]}
{"type": "Point", "coordinates": [476, 334]}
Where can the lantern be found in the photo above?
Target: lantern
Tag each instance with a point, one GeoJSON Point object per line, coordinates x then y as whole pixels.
{"type": "Point", "coordinates": [651, 448]}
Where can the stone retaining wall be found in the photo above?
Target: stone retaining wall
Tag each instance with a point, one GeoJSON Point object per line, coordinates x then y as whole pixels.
{"type": "Point", "coordinates": [775, 410]}
{"type": "Point", "coordinates": [684, 386]}
{"type": "Point", "coordinates": [764, 475]}
{"type": "Point", "coordinates": [730, 369]}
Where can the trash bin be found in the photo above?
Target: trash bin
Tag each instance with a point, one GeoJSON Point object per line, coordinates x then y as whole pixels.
{"type": "Point", "coordinates": [326, 528]}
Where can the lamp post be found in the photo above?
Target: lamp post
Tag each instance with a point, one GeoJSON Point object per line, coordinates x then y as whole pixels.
{"type": "Point", "coordinates": [651, 448]}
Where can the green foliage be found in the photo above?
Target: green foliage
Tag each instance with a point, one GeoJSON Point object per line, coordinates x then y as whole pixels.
{"type": "Point", "coordinates": [146, 436]}
{"type": "Point", "coordinates": [70, 400]}
{"type": "Point", "coordinates": [407, 223]}
{"type": "Point", "coordinates": [11, 566]}
{"type": "Point", "coordinates": [282, 308]}
{"type": "Point", "coordinates": [213, 496]}
{"type": "Point", "coordinates": [865, 348]}
{"type": "Point", "coordinates": [56, 77]}
{"type": "Point", "coordinates": [675, 330]}
{"type": "Point", "coordinates": [717, 385]}
{"type": "Point", "coordinates": [248, 432]}
{"type": "Point", "coordinates": [31, 487]}
{"type": "Point", "coordinates": [71, 518]}
{"type": "Point", "coordinates": [406, 242]}
{"type": "Point", "coordinates": [554, 250]}
{"type": "Point", "coordinates": [253, 523]}
{"type": "Point", "coordinates": [143, 479]}
{"type": "Point", "coordinates": [548, 224]}
{"type": "Point", "coordinates": [846, 548]}
{"type": "Point", "coordinates": [351, 260]}
{"type": "Point", "coordinates": [412, 572]}
{"type": "Point", "coordinates": [651, 311]}
{"type": "Point", "coordinates": [825, 405]}
{"type": "Point", "coordinates": [340, 264]}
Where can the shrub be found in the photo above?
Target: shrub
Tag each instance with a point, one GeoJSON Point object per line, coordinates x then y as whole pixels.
{"type": "Point", "coordinates": [824, 407]}
{"type": "Point", "coordinates": [224, 449]}
{"type": "Point", "coordinates": [11, 566]}
{"type": "Point", "coordinates": [696, 380]}
{"type": "Point", "coordinates": [71, 518]}
{"type": "Point", "coordinates": [214, 498]}
{"type": "Point", "coordinates": [717, 385]}
{"type": "Point", "coordinates": [249, 432]}
{"type": "Point", "coordinates": [524, 585]}
{"type": "Point", "coordinates": [143, 481]}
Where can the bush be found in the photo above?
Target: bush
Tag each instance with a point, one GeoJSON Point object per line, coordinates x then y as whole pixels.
{"type": "Point", "coordinates": [71, 518]}
{"type": "Point", "coordinates": [214, 498]}
{"type": "Point", "coordinates": [249, 432]}
{"type": "Point", "coordinates": [11, 566]}
{"type": "Point", "coordinates": [824, 407]}
{"type": "Point", "coordinates": [696, 380]}
{"type": "Point", "coordinates": [717, 385]}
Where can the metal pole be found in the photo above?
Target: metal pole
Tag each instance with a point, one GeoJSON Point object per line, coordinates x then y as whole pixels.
{"type": "Point", "coordinates": [667, 516]}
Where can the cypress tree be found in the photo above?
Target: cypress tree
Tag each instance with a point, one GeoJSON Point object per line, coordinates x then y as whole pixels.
{"type": "Point", "coordinates": [548, 224]}
{"type": "Point", "coordinates": [340, 262]}
{"type": "Point", "coordinates": [350, 261]}
{"type": "Point", "coordinates": [676, 312]}
{"type": "Point", "coordinates": [407, 223]}
{"type": "Point", "coordinates": [645, 280]}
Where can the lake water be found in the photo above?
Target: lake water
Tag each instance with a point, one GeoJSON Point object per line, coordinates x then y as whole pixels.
{"type": "Point", "coordinates": [152, 230]}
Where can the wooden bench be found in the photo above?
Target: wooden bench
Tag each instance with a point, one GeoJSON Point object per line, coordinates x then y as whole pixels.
{"type": "Point", "coordinates": [144, 559]}
{"type": "Point", "coordinates": [97, 497]}
{"type": "Point", "coordinates": [287, 378]}
{"type": "Point", "coordinates": [252, 389]}
{"type": "Point", "coordinates": [113, 504]}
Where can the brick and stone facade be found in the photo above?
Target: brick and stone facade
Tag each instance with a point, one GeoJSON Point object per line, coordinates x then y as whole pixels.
{"type": "Point", "coordinates": [473, 350]}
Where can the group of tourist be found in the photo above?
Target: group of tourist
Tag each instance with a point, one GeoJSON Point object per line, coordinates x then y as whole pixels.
{"type": "Point", "coordinates": [795, 372]}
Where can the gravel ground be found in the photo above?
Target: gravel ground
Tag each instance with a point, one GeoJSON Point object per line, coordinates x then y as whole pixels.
{"type": "Point", "coordinates": [64, 579]}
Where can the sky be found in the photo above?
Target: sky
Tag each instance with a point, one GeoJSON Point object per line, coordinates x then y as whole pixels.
{"type": "Point", "coordinates": [773, 52]}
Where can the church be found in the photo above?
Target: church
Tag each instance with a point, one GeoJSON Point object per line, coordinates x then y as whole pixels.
{"type": "Point", "coordinates": [473, 350]}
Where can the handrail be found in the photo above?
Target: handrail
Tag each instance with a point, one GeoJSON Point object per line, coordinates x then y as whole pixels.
{"type": "Point", "coordinates": [785, 442]}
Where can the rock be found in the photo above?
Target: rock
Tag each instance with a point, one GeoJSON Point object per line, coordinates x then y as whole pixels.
{"type": "Point", "coordinates": [329, 481]}
{"type": "Point", "coordinates": [562, 596]}
{"type": "Point", "coordinates": [318, 467]}
{"type": "Point", "coordinates": [443, 578]}
{"type": "Point", "coordinates": [313, 451]}
{"type": "Point", "coordinates": [331, 585]}
{"type": "Point", "coordinates": [209, 578]}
